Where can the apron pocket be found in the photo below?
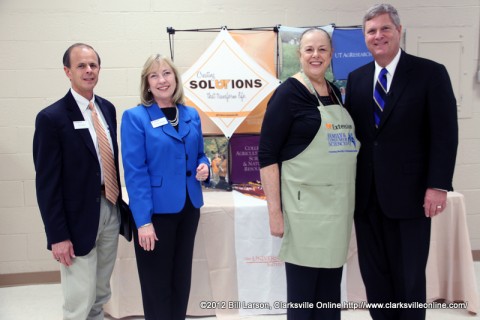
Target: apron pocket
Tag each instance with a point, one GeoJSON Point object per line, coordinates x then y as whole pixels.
{"type": "Point", "coordinates": [318, 201]}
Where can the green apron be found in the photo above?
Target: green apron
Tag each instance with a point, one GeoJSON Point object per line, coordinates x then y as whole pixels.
{"type": "Point", "coordinates": [318, 193]}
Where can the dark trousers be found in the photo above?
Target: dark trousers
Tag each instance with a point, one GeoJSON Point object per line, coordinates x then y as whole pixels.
{"type": "Point", "coordinates": [313, 285]}
{"type": "Point", "coordinates": [393, 255]}
{"type": "Point", "coordinates": [165, 273]}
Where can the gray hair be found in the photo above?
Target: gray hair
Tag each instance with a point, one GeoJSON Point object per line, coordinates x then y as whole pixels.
{"type": "Point", "coordinates": [315, 29]}
{"type": "Point", "coordinates": [380, 9]}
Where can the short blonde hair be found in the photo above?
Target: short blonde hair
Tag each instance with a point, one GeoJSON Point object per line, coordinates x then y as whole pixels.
{"type": "Point", "coordinates": [146, 97]}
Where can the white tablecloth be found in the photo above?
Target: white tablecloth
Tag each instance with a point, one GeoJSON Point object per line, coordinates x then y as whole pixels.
{"type": "Point", "coordinates": [218, 252]}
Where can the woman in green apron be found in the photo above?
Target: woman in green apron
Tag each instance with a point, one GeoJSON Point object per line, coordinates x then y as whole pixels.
{"type": "Point", "coordinates": [307, 156]}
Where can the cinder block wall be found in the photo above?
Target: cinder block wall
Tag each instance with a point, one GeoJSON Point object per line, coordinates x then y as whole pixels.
{"type": "Point", "coordinates": [34, 35]}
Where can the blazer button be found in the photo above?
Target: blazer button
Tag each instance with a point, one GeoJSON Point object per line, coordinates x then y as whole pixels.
{"type": "Point", "coordinates": [189, 173]}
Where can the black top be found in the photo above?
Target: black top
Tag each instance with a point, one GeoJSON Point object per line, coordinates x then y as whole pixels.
{"type": "Point", "coordinates": [170, 113]}
{"type": "Point", "coordinates": [291, 122]}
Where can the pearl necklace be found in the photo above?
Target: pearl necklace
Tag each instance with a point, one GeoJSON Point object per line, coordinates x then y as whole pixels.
{"type": "Point", "coordinates": [174, 122]}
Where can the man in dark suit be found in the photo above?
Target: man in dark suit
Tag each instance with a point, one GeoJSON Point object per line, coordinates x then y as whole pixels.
{"type": "Point", "coordinates": [405, 165]}
{"type": "Point", "coordinates": [81, 225]}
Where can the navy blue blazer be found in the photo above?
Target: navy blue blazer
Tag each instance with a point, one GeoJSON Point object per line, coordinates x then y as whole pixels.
{"type": "Point", "coordinates": [160, 163]}
{"type": "Point", "coordinates": [68, 177]}
{"type": "Point", "coordinates": [415, 146]}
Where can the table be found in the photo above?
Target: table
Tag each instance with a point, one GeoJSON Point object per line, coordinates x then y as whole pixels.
{"type": "Point", "coordinates": [214, 266]}
{"type": "Point", "coordinates": [450, 271]}
{"type": "Point", "coordinates": [220, 258]}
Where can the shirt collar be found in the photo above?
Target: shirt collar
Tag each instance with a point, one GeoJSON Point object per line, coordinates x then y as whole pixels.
{"type": "Point", "coordinates": [82, 102]}
{"type": "Point", "coordinates": [391, 66]}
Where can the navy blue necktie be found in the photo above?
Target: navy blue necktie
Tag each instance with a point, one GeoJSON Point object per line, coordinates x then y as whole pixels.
{"type": "Point", "coordinates": [379, 95]}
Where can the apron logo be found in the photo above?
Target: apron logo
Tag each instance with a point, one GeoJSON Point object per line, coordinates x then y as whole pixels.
{"type": "Point", "coordinates": [341, 139]}
{"type": "Point", "coordinates": [351, 138]}
{"type": "Point", "coordinates": [332, 126]}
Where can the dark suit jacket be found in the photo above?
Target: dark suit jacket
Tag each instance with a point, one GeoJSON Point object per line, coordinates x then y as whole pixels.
{"type": "Point", "coordinates": [68, 175]}
{"type": "Point", "coordinates": [415, 146]}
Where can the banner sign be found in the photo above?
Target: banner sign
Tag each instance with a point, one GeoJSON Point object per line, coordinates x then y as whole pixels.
{"type": "Point", "coordinates": [226, 83]}
{"type": "Point", "coordinates": [244, 159]}
{"type": "Point", "coordinates": [350, 52]}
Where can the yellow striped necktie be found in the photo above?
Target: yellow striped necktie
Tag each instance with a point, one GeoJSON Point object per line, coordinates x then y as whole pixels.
{"type": "Point", "coordinates": [106, 157]}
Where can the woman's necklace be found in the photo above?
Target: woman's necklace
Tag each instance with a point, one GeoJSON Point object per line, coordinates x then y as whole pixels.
{"type": "Point", "coordinates": [174, 121]}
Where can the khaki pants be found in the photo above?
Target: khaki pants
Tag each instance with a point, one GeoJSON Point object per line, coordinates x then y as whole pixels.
{"type": "Point", "coordinates": [86, 283]}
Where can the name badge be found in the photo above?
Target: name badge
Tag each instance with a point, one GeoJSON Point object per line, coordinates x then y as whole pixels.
{"type": "Point", "coordinates": [80, 125]}
{"type": "Point", "coordinates": [159, 122]}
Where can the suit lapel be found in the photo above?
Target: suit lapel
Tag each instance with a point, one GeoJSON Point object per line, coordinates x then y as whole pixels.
{"type": "Point", "coordinates": [184, 119]}
{"type": "Point", "coordinates": [368, 90]}
{"type": "Point", "coordinates": [399, 82]}
{"type": "Point", "coordinates": [362, 89]}
{"type": "Point", "coordinates": [156, 113]}
{"type": "Point", "coordinates": [74, 114]}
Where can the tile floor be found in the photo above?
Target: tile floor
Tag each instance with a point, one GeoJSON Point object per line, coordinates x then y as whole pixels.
{"type": "Point", "coordinates": [43, 302]}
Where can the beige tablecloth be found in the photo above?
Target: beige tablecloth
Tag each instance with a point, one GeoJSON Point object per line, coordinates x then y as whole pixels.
{"type": "Point", "coordinates": [450, 271]}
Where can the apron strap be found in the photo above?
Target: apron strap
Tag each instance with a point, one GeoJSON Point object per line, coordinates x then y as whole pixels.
{"type": "Point", "coordinates": [312, 89]}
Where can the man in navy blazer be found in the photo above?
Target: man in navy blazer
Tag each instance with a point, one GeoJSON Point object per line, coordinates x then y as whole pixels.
{"type": "Point", "coordinates": [81, 225]}
{"type": "Point", "coordinates": [405, 166]}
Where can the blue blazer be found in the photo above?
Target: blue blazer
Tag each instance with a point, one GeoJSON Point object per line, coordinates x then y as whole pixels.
{"type": "Point", "coordinates": [415, 145]}
{"type": "Point", "coordinates": [68, 176]}
{"type": "Point", "coordinates": [159, 162]}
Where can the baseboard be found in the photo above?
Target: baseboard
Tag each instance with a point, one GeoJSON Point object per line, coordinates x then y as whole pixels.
{"type": "Point", "coordinates": [21, 279]}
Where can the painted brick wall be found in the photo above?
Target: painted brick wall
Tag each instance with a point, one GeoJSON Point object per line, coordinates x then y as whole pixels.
{"type": "Point", "coordinates": [34, 35]}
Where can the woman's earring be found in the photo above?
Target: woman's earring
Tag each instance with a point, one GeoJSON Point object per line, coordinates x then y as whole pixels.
{"type": "Point", "coordinates": [149, 90]}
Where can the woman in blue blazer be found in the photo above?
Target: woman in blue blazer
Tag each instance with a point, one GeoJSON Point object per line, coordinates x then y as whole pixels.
{"type": "Point", "coordinates": [164, 163]}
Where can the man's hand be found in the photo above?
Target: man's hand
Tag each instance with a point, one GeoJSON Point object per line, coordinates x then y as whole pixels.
{"type": "Point", "coordinates": [435, 202]}
{"type": "Point", "coordinates": [63, 252]}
